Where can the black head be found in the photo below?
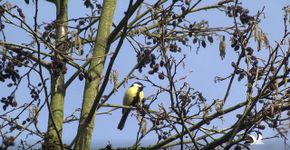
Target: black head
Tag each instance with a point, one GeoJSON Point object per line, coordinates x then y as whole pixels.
{"type": "Point", "coordinates": [138, 84]}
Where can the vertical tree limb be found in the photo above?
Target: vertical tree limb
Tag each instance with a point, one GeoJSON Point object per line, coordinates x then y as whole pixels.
{"type": "Point", "coordinates": [84, 135]}
{"type": "Point", "coordinates": [57, 81]}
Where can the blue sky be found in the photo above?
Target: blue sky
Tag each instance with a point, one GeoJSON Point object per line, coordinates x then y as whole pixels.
{"type": "Point", "coordinates": [204, 66]}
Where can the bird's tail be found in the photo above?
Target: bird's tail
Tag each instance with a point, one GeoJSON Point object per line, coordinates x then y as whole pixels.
{"type": "Point", "coordinates": [123, 120]}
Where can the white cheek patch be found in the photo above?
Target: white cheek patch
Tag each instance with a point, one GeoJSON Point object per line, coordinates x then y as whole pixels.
{"type": "Point", "coordinates": [137, 85]}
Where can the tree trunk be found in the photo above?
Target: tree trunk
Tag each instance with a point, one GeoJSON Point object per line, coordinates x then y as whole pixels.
{"type": "Point", "coordinates": [84, 135]}
{"type": "Point", "coordinates": [55, 122]}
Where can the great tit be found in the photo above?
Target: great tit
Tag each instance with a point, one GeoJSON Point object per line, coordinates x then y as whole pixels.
{"type": "Point", "coordinates": [133, 97]}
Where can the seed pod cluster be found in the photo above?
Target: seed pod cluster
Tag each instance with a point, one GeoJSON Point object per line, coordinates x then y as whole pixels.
{"type": "Point", "coordinates": [153, 65]}
{"type": "Point", "coordinates": [146, 57]}
{"type": "Point", "coordinates": [49, 32]}
{"type": "Point", "coordinates": [234, 41]}
{"type": "Point", "coordinates": [20, 13]}
{"type": "Point", "coordinates": [16, 126]}
{"type": "Point", "coordinates": [34, 93]}
{"type": "Point", "coordinates": [238, 147]}
{"type": "Point", "coordinates": [271, 87]}
{"type": "Point", "coordinates": [22, 59]}
{"type": "Point", "coordinates": [261, 127]}
{"type": "Point", "coordinates": [2, 26]}
{"type": "Point", "coordinates": [9, 141]}
{"type": "Point", "coordinates": [8, 69]}
{"type": "Point", "coordinates": [248, 118]}
{"type": "Point", "coordinates": [57, 67]}
{"type": "Point", "coordinates": [88, 4]}
{"type": "Point", "coordinates": [1, 11]}
{"type": "Point", "coordinates": [239, 11]}
{"type": "Point", "coordinates": [8, 101]}
{"type": "Point", "coordinates": [173, 47]}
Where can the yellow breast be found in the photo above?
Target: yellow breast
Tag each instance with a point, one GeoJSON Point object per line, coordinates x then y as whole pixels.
{"type": "Point", "coordinates": [130, 94]}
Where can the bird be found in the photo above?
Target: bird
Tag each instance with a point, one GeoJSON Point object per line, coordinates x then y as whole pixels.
{"type": "Point", "coordinates": [256, 140]}
{"type": "Point", "coordinates": [133, 97]}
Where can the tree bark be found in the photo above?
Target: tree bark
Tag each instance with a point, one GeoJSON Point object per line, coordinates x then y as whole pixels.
{"type": "Point", "coordinates": [84, 135]}
{"type": "Point", "coordinates": [55, 122]}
